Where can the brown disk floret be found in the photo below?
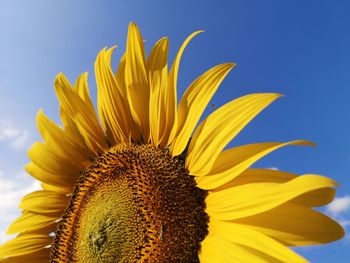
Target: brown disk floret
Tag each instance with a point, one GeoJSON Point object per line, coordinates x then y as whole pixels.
{"type": "Point", "coordinates": [135, 203]}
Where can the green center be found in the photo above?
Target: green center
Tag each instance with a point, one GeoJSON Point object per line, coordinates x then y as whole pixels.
{"type": "Point", "coordinates": [134, 203]}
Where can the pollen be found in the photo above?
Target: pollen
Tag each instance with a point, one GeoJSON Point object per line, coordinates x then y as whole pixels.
{"type": "Point", "coordinates": [134, 203]}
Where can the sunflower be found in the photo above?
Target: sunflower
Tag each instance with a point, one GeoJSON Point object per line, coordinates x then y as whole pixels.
{"type": "Point", "coordinates": [139, 181]}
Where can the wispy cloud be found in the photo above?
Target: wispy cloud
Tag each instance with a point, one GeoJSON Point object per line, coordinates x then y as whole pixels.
{"type": "Point", "coordinates": [15, 137]}
{"type": "Point", "coordinates": [12, 190]}
{"type": "Point", "coordinates": [339, 206]}
{"type": "Point", "coordinates": [339, 209]}
{"type": "Point", "coordinates": [344, 223]}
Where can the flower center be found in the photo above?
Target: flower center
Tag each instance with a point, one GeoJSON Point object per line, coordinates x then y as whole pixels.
{"type": "Point", "coordinates": [134, 203]}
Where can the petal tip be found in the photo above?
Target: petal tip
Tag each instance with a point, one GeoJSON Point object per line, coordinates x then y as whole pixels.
{"type": "Point", "coordinates": [304, 143]}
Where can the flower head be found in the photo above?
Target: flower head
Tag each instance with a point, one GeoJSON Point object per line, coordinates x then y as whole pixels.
{"type": "Point", "coordinates": [140, 181]}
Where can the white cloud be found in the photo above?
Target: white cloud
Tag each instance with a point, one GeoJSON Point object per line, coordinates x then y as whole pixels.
{"type": "Point", "coordinates": [344, 223]}
{"type": "Point", "coordinates": [273, 168]}
{"type": "Point", "coordinates": [15, 137]}
{"type": "Point", "coordinates": [339, 209]}
{"type": "Point", "coordinates": [339, 206]}
{"type": "Point", "coordinates": [12, 190]}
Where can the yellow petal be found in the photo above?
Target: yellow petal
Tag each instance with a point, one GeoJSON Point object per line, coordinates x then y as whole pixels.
{"type": "Point", "coordinates": [246, 236]}
{"type": "Point", "coordinates": [233, 162]}
{"type": "Point", "coordinates": [29, 222]}
{"type": "Point", "coordinates": [73, 132]}
{"type": "Point", "coordinates": [79, 111]}
{"type": "Point", "coordinates": [194, 102]}
{"type": "Point", "coordinates": [314, 198]}
{"type": "Point", "coordinates": [113, 106]}
{"type": "Point", "coordinates": [120, 78]}
{"type": "Point", "coordinates": [82, 88]}
{"type": "Point", "coordinates": [62, 144]}
{"type": "Point", "coordinates": [295, 225]}
{"type": "Point", "coordinates": [171, 122]}
{"type": "Point", "coordinates": [44, 202]}
{"type": "Point", "coordinates": [45, 230]}
{"type": "Point", "coordinates": [57, 189]}
{"type": "Point", "coordinates": [251, 199]}
{"type": "Point", "coordinates": [101, 111]}
{"type": "Point", "coordinates": [64, 181]}
{"type": "Point", "coordinates": [24, 244]}
{"type": "Point", "coordinates": [157, 65]}
{"type": "Point", "coordinates": [216, 131]}
{"type": "Point", "coordinates": [39, 256]}
{"type": "Point", "coordinates": [217, 249]}
{"type": "Point", "coordinates": [136, 80]}
{"type": "Point", "coordinates": [258, 175]}
{"type": "Point", "coordinates": [48, 160]}
{"type": "Point", "coordinates": [319, 197]}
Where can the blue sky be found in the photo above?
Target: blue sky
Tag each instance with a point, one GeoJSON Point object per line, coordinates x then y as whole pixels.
{"type": "Point", "coordinates": [298, 48]}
